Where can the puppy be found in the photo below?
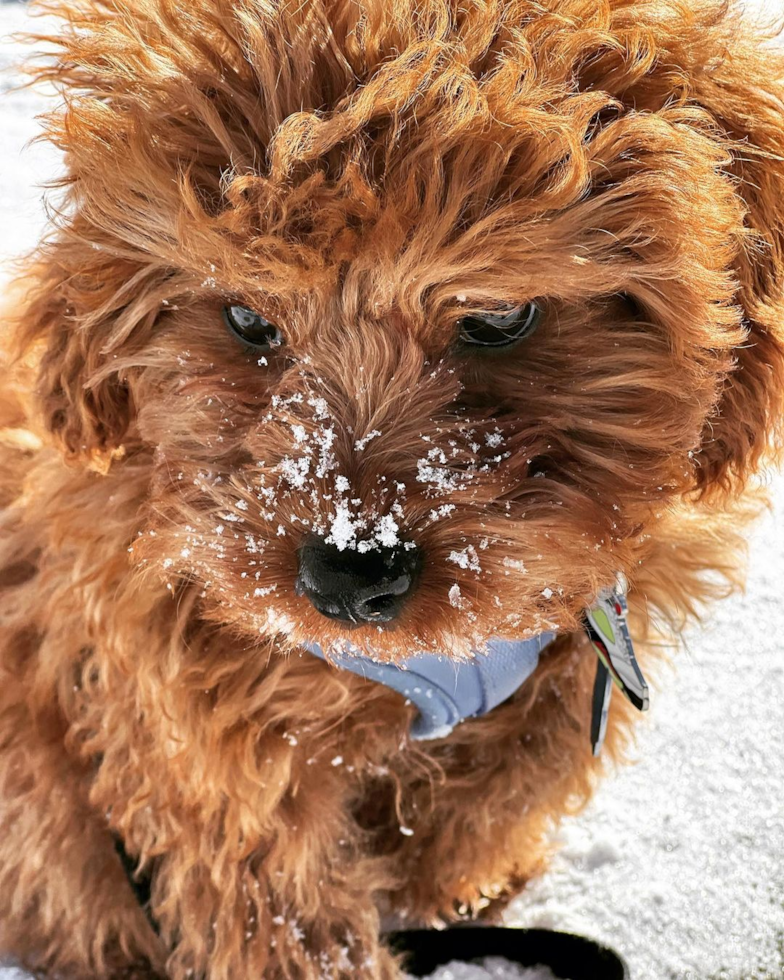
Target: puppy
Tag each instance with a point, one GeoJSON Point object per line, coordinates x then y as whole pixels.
{"type": "Point", "coordinates": [364, 330]}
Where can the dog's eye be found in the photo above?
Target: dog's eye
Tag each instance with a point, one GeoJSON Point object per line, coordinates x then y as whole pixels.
{"type": "Point", "coordinates": [501, 328]}
{"type": "Point", "coordinates": [252, 327]}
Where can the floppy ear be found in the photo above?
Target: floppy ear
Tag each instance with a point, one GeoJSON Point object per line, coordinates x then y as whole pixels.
{"type": "Point", "coordinates": [63, 323]}
{"type": "Point", "coordinates": [745, 95]}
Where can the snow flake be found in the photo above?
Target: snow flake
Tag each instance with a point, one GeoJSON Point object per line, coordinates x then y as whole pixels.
{"type": "Point", "coordinates": [467, 558]}
{"type": "Point", "coordinates": [260, 593]}
{"type": "Point", "coordinates": [343, 530]}
{"type": "Point", "coordinates": [386, 531]}
{"type": "Point", "coordinates": [294, 470]}
{"type": "Point", "coordinates": [361, 443]}
{"type": "Point", "coordinates": [440, 479]}
{"type": "Point", "coordinates": [515, 563]}
{"type": "Point", "coordinates": [443, 511]}
{"type": "Point", "coordinates": [320, 408]}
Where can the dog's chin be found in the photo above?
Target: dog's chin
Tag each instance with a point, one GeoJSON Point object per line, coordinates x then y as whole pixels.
{"type": "Point", "coordinates": [381, 641]}
{"type": "Point", "coordinates": [391, 642]}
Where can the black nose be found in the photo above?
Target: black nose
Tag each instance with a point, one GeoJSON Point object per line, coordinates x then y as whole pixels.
{"type": "Point", "coordinates": [354, 586]}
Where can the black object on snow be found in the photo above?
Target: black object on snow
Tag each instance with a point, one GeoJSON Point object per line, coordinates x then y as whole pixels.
{"type": "Point", "coordinates": [568, 956]}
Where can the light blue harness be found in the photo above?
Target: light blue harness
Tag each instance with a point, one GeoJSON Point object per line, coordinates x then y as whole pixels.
{"type": "Point", "coordinates": [446, 691]}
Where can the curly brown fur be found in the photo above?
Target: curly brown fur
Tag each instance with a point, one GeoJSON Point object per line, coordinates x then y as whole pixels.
{"type": "Point", "coordinates": [350, 168]}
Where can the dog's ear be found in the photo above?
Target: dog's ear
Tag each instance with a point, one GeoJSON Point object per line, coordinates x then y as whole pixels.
{"type": "Point", "coordinates": [744, 93]}
{"type": "Point", "coordinates": [62, 327]}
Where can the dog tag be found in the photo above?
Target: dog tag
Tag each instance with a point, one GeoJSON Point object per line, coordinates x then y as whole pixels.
{"type": "Point", "coordinates": [605, 624]}
{"type": "Point", "coordinates": [602, 691]}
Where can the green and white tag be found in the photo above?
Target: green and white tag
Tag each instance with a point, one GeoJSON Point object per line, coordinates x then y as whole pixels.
{"type": "Point", "coordinates": [605, 624]}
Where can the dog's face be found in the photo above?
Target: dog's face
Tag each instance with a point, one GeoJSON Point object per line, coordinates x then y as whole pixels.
{"type": "Point", "coordinates": [418, 323]}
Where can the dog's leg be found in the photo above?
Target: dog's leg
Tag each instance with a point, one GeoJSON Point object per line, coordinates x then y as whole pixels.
{"type": "Point", "coordinates": [260, 867]}
{"type": "Point", "coordinates": [480, 833]}
{"type": "Point", "coordinates": [282, 890]}
{"type": "Point", "coordinates": [66, 909]}
{"type": "Point", "coordinates": [276, 885]}
{"type": "Point", "coordinates": [318, 924]}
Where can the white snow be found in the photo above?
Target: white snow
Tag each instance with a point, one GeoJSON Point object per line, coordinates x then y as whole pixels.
{"type": "Point", "coordinates": [466, 558]}
{"type": "Point", "coordinates": [455, 596]}
{"type": "Point", "coordinates": [492, 968]}
{"type": "Point", "coordinates": [386, 531]}
{"type": "Point", "coordinates": [679, 861]}
{"type": "Point", "coordinates": [494, 439]}
{"type": "Point", "coordinates": [360, 444]}
{"type": "Point", "coordinates": [343, 530]}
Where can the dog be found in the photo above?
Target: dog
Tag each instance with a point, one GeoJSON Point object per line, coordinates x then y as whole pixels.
{"type": "Point", "coordinates": [364, 331]}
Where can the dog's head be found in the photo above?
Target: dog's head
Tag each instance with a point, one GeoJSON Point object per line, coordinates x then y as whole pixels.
{"type": "Point", "coordinates": [417, 316]}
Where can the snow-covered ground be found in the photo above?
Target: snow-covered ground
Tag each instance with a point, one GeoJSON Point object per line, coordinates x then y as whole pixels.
{"type": "Point", "coordinates": [679, 862]}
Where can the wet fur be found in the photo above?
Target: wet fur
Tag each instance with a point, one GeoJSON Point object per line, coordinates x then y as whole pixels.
{"type": "Point", "coordinates": [350, 169]}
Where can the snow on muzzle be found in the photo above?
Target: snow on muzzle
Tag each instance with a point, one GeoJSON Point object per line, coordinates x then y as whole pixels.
{"type": "Point", "coordinates": [362, 455]}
